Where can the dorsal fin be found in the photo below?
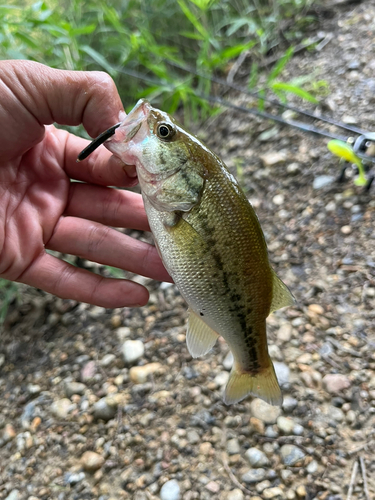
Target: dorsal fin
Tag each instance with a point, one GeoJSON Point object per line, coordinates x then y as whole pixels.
{"type": "Point", "coordinates": [281, 295]}
{"type": "Point", "coordinates": [200, 338]}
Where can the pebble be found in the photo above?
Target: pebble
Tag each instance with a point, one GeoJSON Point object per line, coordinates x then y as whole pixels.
{"type": "Point", "coordinates": [293, 168]}
{"type": "Point", "coordinates": [72, 388]}
{"type": "Point", "coordinates": [235, 494]}
{"type": "Point", "coordinates": [286, 425]}
{"type": "Point", "coordinates": [263, 411]}
{"type": "Point", "coordinates": [273, 158]}
{"type": "Point", "coordinates": [278, 199]}
{"type": "Point", "coordinates": [34, 389]}
{"type": "Point", "coordinates": [170, 490]}
{"type": "Point", "coordinates": [91, 461]}
{"type": "Point", "coordinates": [282, 373]}
{"type": "Point", "coordinates": [289, 404]}
{"type": "Point", "coordinates": [193, 437]}
{"type": "Point", "coordinates": [13, 495]}
{"type": "Point", "coordinates": [9, 433]}
{"type": "Point", "coordinates": [298, 430]}
{"type": "Point", "coordinates": [323, 181]}
{"type": "Point", "coordinates": [346, 229]}
{"type": "Point", "coordinates": [28, 414]}
{"type": "Point", "coordinates": [253, 476]}
{"type": "Point", "coordinates": [257, 425]}
{"type": "Point", "coordinates": [257, 458]}
{"type": "Point", "coordinates": [233, 446]}
{"type": "Point", "coordinates": [221, 379]}
{"type": "Point", "coordinates": [123, 332]}
{"type": "Point", "coordinates": [140, 374]}
{"type": "Point", "coordinates": [334, 413]}
{"type": "Point", "coordinates": [105, 408]}
{"type": "Point", "coordinates": [132, 350]}
{"type": "Point", "coordinates": [335, 383]}
{"type": "Point", "coordinates": [88, 371]}
{"type": "Point", "coordinates": [61, 408]}
{"type": "Point", "coordinates": [268, 134]}
{"type": "Point", "coordinates": [213, 487]}
{"type": "Point", "coordinates": [301, 491]}
{"type": "Point", "coordinates": [263, 485]}
{"type": "Point", "coordinates": [284, 333]}
{"type": "Point", "coordinates": [73, 478]}
{"type": "Point", "coordinates": [275, 492]}
{"type": "Point", "coordinates": [291, 454]}
{"type": "Point", "coordinates": [228, 361]}
{"type": "Point", "coordinates": [107, 360]}
{"type": "Point", "coordinates": [312, 467]}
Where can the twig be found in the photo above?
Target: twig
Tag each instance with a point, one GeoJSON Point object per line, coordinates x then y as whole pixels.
{"type": "Point", "coordinates": [236, 66]}
{"type": "Point", "coordinates": [352, 479]}
{"type": "Point", "coordinates": [360, 448]}
{"type": "Point", "coordinates": [232, 476]}
{"type": "Point", "coordinates": [337, 344]}
{"type": "Point", "coordinates": [363, 470]}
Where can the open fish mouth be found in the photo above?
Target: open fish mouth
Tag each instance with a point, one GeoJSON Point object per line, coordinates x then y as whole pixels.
{"type": "Point", "coordinates": [133, 122]}
{"type": "Point", "coordinates": [127, 129]}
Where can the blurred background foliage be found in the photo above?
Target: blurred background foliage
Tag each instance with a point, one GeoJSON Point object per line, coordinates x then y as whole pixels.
{"type": "Point", "coordinates": [144, 37]}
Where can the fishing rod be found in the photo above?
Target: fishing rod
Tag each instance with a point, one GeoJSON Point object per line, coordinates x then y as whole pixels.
{"type": "Point", "coordinates": [355, 150]}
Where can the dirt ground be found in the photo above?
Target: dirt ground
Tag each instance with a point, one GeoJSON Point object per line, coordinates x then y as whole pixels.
{"type": "Point", "coordinates": [66, 389]}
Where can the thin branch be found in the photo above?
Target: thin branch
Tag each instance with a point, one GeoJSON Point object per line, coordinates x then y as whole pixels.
{"type": "Point", "coordinates": [363, 470]}
{"type": "Point", "coordinates": [361, 447]}
{"type": "Point", "coordinates": [232, 476]}
{"type": "Point", "coordinates": [352, 479]}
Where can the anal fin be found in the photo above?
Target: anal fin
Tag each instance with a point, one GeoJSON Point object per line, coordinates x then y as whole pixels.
{"type": "Point", "coordinates": [200, 338]}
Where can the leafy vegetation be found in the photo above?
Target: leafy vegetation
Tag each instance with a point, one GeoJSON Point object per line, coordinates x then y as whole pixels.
{"type": "Point", "coordinates": [142, 38]}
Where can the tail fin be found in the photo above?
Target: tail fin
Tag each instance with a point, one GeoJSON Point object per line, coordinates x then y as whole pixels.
{"type": "Point", "coordinates": [263, 385]}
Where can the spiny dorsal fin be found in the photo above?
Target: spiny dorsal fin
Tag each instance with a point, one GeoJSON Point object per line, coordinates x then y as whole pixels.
{"type": "Point", "coordinates": [281, 295]}
{"type": "Point", "coordinates": [200, 338]}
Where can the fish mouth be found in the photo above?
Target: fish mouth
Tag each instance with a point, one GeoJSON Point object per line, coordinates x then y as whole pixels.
{"type": "Point", "coordinates": [133, 122]}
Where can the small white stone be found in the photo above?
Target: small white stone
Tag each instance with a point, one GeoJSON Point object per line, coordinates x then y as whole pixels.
{"type": "Point", "coordinates": [132, 350]}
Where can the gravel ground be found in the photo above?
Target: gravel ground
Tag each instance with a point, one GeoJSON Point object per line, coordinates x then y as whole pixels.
{"type": "Point", "coordinates": [109, 404]}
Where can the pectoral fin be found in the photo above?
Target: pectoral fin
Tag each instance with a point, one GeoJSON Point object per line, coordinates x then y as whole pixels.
{"type": "Point", "coordinates": [200, 338]}
{"type": "Point", "coordinates": [281, 295]}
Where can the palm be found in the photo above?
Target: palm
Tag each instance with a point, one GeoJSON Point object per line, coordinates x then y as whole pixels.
{"type": "Point", "coordinates": [41, 208]}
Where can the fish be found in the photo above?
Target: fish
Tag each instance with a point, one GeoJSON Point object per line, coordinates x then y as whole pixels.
{"type": "Point", "coordinates": [211, 243]}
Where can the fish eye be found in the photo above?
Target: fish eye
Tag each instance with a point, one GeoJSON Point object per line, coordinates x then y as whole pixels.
{"type": "Point", "coordinates": [165, 131]}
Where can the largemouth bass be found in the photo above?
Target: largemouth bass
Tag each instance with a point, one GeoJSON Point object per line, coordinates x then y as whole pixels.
{"type": "Point", "coordinates": [211, 243]}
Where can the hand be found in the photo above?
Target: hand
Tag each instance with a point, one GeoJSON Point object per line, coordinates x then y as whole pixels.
{"type": "Point", "coordinates": [41, 208]}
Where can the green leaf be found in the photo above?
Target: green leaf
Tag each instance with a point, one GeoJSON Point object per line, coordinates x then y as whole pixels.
{"type": "Point", "coordinates": [280, 65]}
{"type": "Point", "coordinates": [287, 87]}
{"type": "Point", "coordinates": [253, 78]}
{"type": "Point", "coordinates": [193, 19]}
{"type": "Point", "coordinates": [98, 58]}
{"type": "Point", "coordinates": [84, 30]}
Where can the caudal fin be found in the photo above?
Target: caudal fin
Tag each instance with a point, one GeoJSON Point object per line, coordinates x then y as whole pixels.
{"type": "Point", "coordinates": [263, 385]}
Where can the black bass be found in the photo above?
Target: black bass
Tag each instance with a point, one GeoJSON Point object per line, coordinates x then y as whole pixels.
{"type": "Point", "coordinates": [211, 243]}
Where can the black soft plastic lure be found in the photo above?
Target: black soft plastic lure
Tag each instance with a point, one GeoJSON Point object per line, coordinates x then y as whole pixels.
{"type": "Point", "coordinates": [97, 142]}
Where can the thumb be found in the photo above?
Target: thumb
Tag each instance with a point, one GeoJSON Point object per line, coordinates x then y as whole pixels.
{"type": "Point", "coordinates": [37, 95]}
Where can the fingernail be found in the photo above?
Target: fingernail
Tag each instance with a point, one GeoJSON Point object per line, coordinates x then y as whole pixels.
{"type": "Point", "coordinates": [121, 116]}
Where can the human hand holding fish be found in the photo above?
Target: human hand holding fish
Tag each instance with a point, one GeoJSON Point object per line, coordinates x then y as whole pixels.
{"type": "Point", "coordinates": [211, 243]}
{"type": "Point", "coordinates": [48, 202]}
